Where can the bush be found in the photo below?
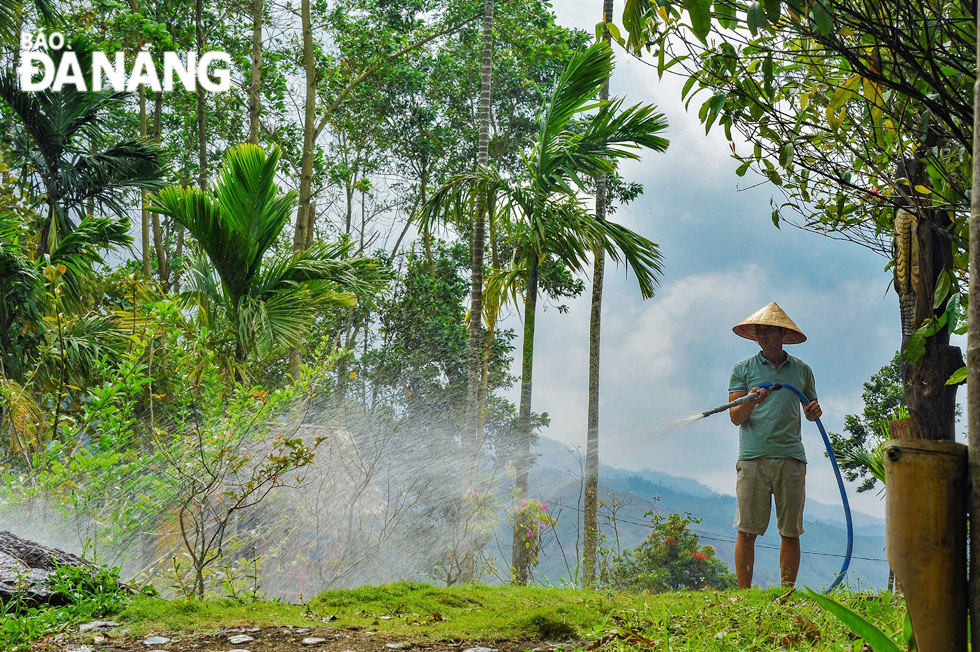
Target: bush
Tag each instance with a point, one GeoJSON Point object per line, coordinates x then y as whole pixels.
{"type": "Point", "coordinates": [670, 559]}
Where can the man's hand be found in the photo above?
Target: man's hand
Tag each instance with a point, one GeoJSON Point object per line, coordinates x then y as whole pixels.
{"type": "Point", "coordinates": [761, 395]}
{"type": "Point", "coordinates": [812, 411]}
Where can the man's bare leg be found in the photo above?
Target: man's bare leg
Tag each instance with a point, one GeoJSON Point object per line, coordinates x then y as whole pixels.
{"type": "Point", "coordinates": [745, 558]}
{"type": "Point", "coordinates": [789, 559]}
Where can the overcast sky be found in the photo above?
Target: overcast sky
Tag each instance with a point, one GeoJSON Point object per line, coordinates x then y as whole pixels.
{"type": "Point", "coordinates": [671, 356]}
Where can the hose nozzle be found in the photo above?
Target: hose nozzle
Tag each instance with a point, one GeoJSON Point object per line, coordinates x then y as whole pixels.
{"type": "Point", "coordinates": [772, 387]}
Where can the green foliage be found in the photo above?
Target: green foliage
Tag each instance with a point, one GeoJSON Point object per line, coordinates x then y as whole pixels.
{"type": "Point", "coordinates": [828, 95]}
{"type": "Point", "coordinates": [877, 639]}
{"type": "Point", "coordinates": [532, 520]}
{"type": "Point", "coordinates": [89, 593]}
{"type": "Point", "coordinates": [859, 448]}
{"type": "Point", "coordinates": [268, 304]}
{"type": "Point", "coordinates": [670, 559]}
{"type": "Point", "coordinates": [67, 158]}
{"type": "Point", "coordinates": [713, 621]}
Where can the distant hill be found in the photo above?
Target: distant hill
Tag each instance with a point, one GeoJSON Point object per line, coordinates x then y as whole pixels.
{"type": "Point", "coordinates": [556, 478]}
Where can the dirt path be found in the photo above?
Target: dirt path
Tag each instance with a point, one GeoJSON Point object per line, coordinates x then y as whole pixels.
{"type": "Point", "coordinates": [288, 639]}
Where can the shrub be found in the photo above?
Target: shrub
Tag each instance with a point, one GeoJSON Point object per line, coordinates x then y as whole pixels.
{"type": "Point", "coordinates": [670, 559]}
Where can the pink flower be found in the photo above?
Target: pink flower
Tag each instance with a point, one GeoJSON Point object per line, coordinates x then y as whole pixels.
{"type": "Point", "coordinates": [518, 509]}
{"type": "Point", "coordinates": [544, 505]}
{"type": "Point", "coordinates": [525, 503]}
{"type": "Point", "coordinates": [530, 533]}
{"type": "Point", "coordinates": [541, 526]}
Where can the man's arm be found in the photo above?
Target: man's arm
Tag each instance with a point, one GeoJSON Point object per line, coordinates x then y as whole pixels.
{"type": "Point", "coordinates": [741, 413]}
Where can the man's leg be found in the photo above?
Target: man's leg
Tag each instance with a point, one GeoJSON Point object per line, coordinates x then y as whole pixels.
{"type": "Point", "coordinates": [789, 560]}
{"type": "Point", "coordinates": [745, 558]}
{"type": "Point", "coordinates": [790, 494]}
{"type": "Point", "coordinates": [752, 510]}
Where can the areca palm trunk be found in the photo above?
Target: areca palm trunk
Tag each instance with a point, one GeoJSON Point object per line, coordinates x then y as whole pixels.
{"type": "Point", "coordinates": [163, 264]}
{"type": "Point", "coordinates": [591, 513]}
{"type": "Point", "coordinates": [254, 96]}
{"type": "Point", "coordinates": [472, 423]}
{"type": "Point", "coordinates": [306, 167]}
{"type": "Point", "coordinates": [519, 557]}
{"type": "Point", "coordinates": [202, 134]}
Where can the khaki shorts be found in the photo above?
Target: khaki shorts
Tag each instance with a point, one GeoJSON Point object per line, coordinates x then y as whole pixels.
{"type": "Point", "coordinates": [758, 479]}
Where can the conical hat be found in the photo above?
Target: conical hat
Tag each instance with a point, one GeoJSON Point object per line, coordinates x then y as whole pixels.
{"type": "Point", "coordinates": [771, 315]}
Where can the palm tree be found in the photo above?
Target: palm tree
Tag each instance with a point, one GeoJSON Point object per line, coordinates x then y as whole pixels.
{"type": "Point", "coordinates": [550, 218]}
{"type": "Point", "coordinates": [48, 333]}
{"type": "Point", "coordinates": [590, 518]}
{"type": "Point", "coordinates": [268, 303]}
{"type": "Point", "coordinates": [68, 156]}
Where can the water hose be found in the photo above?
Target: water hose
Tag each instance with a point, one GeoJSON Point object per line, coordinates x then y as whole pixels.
{"type": "Point", "coordinates": [833, 462]}
{"type": "Point", "coordinates": [840, 482]}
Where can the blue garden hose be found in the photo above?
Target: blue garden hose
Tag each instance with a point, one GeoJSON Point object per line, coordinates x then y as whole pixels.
{"type": "Point", "coordinates": [840, 481]}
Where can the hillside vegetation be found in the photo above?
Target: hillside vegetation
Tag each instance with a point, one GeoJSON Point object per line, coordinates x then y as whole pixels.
{"type": "Point", "coordinates": [505, 618]}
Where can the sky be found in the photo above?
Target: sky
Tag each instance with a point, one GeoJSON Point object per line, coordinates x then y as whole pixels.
{"type": "Point", "coordinates": [671, 356]}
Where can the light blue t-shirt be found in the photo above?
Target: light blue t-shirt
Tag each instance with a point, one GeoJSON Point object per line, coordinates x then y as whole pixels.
{"type": "Point", "coordinates": [773, 429]}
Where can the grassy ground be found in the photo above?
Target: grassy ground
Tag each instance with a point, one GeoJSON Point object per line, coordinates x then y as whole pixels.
{"type": "Point", "coordinates": [511, 618]}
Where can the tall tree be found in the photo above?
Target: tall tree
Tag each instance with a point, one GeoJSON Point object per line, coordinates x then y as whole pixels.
{"type": "Point", "coordinates": [255, 87]}
{"type": "Point", "coordinates": [69, 158]}
{"type": "Point", "coordinates": [591, 507]}
{"type": "Point", "coordinates": [549, 218]}
{"type": "Point", "coordinates": [472, 437]}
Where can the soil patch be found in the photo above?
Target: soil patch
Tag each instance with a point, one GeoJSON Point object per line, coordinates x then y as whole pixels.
{"type": "Point", "coordinates": [289, 639]}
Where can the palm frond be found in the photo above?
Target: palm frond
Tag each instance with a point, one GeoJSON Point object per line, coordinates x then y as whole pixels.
{"type": "Point", "coordinates": [204, 218]}
{"type": "Point", "coordinates": [503, 286]}
{"type": "Point", "coordinates": [131, 164]}
{"type": "Point", "coordinates": [21, 417]}
{"type": "Point", "coordinates": [574, 92]}
{"type": "Point", "coordinates": [247, 194]}
{"type": "Point", "coordinates": [282, 319]}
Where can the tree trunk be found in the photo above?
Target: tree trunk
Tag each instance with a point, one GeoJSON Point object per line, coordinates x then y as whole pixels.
{"type": "Point", "coordinates": [306, 166]}
{"type": "Point", "coordinates": [163, 264]}
{"type": "Point", "coordinates": [519, 559]}
{"type": "Point", "coordinates": [202, 135]}
{"type": "Point", "coordinates": [144, 214]}
{"type": "Point", "coordinates": [931, 402]}
{"type": "Point", "coordinates": [590, 546]}
{"type": "Point", "coordinates": [973, 376]}
{"type": "Point", "coordinates": [254, 91]}
{"type": "Point", "coordinates": [472, 436]}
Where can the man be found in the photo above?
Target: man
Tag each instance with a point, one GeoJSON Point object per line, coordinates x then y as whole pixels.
{"type": "Point", "coordinates": [771, 460]}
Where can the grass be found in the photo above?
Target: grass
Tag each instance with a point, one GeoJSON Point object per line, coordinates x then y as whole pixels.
{"type": "Point", "coordinates": [703, 620]}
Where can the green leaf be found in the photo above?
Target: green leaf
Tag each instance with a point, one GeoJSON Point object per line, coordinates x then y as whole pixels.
{"type": "Point", "coordinates": [775, 219]}
{"type": "Point", "coordinates": [953, 312]}
{"type": "Point", "coordinates": [958, 377]}
{"type": "Point", "coordinates": [772, 10]}
{"type": "Point", "coordinates": [915, 347]}
{"type": "Point", "coordinates": [717, 102]}
{"type": "Point", "coordinates": [741, 170]}
{"type": "Point", "coordinates": [756, 18]}
{"type": "Point", "coordinates": [725, 14]}
{"type": "Point", "coordinates": [786, 154]}
{"type": "Point", "coordinates": [823, 18]}
{"type": "Point", "coordinates": [700, 11]}
{"type": "Point", "coordinates": [768, 74]}
{"type": "Point", "coordinates": [688, 85]}
{"type": "Point", "coordinates": [873, 636]}
{"type": "Point", "coordinates": [943, 284]}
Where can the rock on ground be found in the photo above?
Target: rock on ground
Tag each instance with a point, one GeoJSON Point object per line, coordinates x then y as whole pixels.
{"type": "Point", "coordinates": [26, 568]}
